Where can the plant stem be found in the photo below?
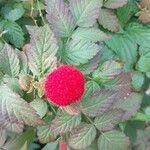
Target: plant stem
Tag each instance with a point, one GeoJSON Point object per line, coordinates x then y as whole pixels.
{"type": "Point", "coordinates": [31, 13]}
{"type": "Point", "coordinates": [40, 12]}
{"type": "Point", "coordinates": [53, 109]}
{"type": "Point", "coordinates": [89, 119]}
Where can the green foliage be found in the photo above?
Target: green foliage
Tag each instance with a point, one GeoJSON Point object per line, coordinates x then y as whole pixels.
{"type": "Point", "coordinates": [107, 41]}
{"type": "Point", "coordinates": [64, 122]}
{"type": "Point", "coordinates": [45, 135]}
{"type": "Point", "coordinates": [127, 105]}
{"type": "Point", "coordinates": [22, 140]}
{"type": "Point", "coordinates": [16, 112]}
{"type": "Point", "coordinates": [85, 12]}
{"type": "Point", "coordinates": [42, 49]}
{"type": "Point", "coordinates": [113, 140]}
{"type": "Point", "coordinates": [137, 80]}
{"type": "Point", "coordinates": [139, 33]}
{"type": "Point", "coordinates": [80, 51]}
{"type": "Point", "coordinates": [9, 61]}
{"type": "Point", "coordinates": [40, 106]}
{"type": "Point", "coordinates": [108, 120]}
{"type": "Point", "coordinates": [60, 17]}
{"type": "Point", "coordinates": [124, 48]}
{"type": "Point", "coordinates": [98, 103]}
{"type": "Point", "coordinates": [12, 12]}
{"type": "Point", "coordinates": [127, 11]}
{"type": "Point", "coordinates": [14, 33]}
{"type": "Point", "coordinates": [82, 136]}
{"type": "Point", "coordinates": [89, 34]}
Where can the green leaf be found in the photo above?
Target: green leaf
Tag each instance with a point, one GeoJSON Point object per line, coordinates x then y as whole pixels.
{"type": "Point", "coordinates": [108, 20]}
{"type": "Point", "coordinates": [24, 68]}
{"type": "Point", "coordinates": [141, 117]}
{"type": "Point", "coordinates": [82, 136]}
{"type": "Point", "coordinates": [91, 65]}
{"type": "Point", "coordinates": [138, 80]}
{"type": "Point", "coordinates": [108, 70]}
{"type": "Point", "coordinates": [79, 52]}
{"type": "Point", "coordinates": [40, 106]}
{"type": "Point", "coordinates": [113, 4]}
{"type": "Point", "coordinates": [106, 54]}
{"type": "Point", "coordinates": [60, 18]}
{"type": "Point", "coordinates": [131, 130]}
{"type": "Point", "coordinates": [144, 50]}
{"type": "Point", "coordinates": [50, 146]}
{"type": "Point", "coordinates": [26, 137]}
{"type": "Point", "coordinates": [143, 63]}
{"type": "Point", "coordinates": [113, 140]}
{"type": "Point", "coordinates": [25, 146]}
{"type": "Point", "coordinates": [1, 44]}
{"type": "Point", "coordinates": [9, 61]}
{"type": "Point", "coordinates": [130, 105]}
{"type": "Point", "coordinates": [126, 12]}
{"type": "Point", "coordinates": [142, 140]}
{"type": "Point", "coordinates": [64, 122]}
{"type": "Point", "coordinates": [89, 34]}
{"type": "Point", "coordinates": [93, 146]}
{"type": "Point", "coordinates": [108, 120]}
{"type": "Point", "coordinates": [98, 103]}
{"type": "Point", "coordinates": [15, 112]}
{"type": "Point", "coordinates": [125, 49]}
{"type": "Point", "coordinates": [13, 84]}
{"type": "Point", "coordinates": [1, 76]}
{"type": "Point", "coordinates": [45, 134]}
{"type": "Point", "coordinates": [139, 33]}
{"type": "Point", "coordinates": [147, 111]}
{"type": "Point", "coordinates": [13, 12]}
{"type": "Point", "coordinates": [85, 12]}
{"type": "Point", "coordinates": [42, 51]}
{"type": "Point", "coordinates": [14, 33]}
{"type": "Point", "coordinates": [91, 87]}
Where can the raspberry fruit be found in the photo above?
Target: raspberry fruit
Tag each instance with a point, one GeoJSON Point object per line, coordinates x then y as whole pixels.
{"type": "Point", "coordinates": [65, 85]}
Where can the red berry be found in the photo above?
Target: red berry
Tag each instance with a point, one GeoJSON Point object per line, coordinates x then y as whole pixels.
{"type": "Point", "coordinates": [64, 85]}
{"type": "Point", "coordinates": [62, 146]}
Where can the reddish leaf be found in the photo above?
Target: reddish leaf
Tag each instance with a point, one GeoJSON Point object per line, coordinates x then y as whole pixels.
{"type": "Point", "coordinates": [109, 20]}
{"type": "Point", "coordinates": [113, 4]}
{"type": "Point", "coordinates": [121, 85]}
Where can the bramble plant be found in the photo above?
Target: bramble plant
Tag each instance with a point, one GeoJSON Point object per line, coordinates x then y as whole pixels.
{"type": "Point", "coordinates": [75, 75]}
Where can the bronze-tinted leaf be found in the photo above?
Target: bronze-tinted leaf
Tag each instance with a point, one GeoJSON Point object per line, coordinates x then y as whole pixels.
{"type": "Point", "coordinates": [109, 20]}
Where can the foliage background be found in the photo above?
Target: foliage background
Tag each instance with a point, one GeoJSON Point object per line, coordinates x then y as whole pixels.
{"type": "Point", "coordinates": [108, 40]}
